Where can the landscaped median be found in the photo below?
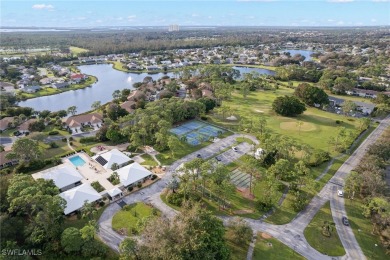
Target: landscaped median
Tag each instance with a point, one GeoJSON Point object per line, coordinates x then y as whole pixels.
{"type": "Point", "coordinates": [133, 218]}
{"type": "Point", "coordinates": [268, 247]}
{"type": "Point", "coordinates": [321, 233]}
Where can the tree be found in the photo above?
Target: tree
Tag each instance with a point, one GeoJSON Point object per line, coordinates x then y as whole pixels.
{"type": "Point", "coordinates": [245, 88]}
{"type": "Point", "coordinates": [174, 145]}
{"type": "Point", "coordinates": [311, 95]}
{"type": "Point", "coordinates": [116, 94]}
{"type": "Point", "coordinates": [37, 126]}
{"type": "Point", "coordinates": [25, 149]}
{"type": "Point", "coordinates": [72, 110]}
{"type": "Point", "coordinates": [343, 84]}
{"type": "Point", "coordinates": [128, 249]}
{"type": "Point", "coordinates": [71, 240]}
{"type": "Point", "coordinates": [349, 106]}
{"type": "Point", "coordinates": [240, 230]}
{"type": "Point", "coordinates": [173, 184]}
{"type": "Point", "coordinates": [96, 105]}
{"type": "Point", "coordinates": [114, 111]}
{"type": "Point", "coordinates": [89, 230]}
{"type": "Point", "coordinates": [38, 202]}
{"type": "Point", "coordinates": [193, 234]}
{"type": "Point", "coordinates": [288, 106]}
{"type": "Point", "coordinates": [114, 133]}
{"type": "Point", "coordinates": [88, 210]}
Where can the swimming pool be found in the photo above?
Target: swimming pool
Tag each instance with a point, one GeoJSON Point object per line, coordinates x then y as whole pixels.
{"type": "Point", "coordinates": [77, 161]}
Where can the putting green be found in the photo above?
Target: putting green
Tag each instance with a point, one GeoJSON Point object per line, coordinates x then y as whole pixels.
{"type": "Point", "coordinates": [305, 127]}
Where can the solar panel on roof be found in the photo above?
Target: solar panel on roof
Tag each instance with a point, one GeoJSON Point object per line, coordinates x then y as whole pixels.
{"type": "Point", "coordinates": [101, 160]}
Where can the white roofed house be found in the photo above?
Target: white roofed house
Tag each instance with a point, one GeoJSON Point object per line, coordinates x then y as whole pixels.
{"type": "Point", "coordinates": [76, 197]}
{"type": "Point", "coordinates": [133, 174]}
{"type": "Point", "coordinates": [64, 176]}
{"type": "Point", "coordinates": [108, 158]}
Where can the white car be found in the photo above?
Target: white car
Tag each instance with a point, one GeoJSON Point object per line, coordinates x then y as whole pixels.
{"type": "Point", "coordinates": [340, 193]}
{"type": "Point", "coordinates": [235, 149]}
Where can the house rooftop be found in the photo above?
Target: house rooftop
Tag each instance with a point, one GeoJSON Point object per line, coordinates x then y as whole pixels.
{"type": "Point", "coordinates": [132, 173]}
{"type": "Point", "coordinates": [76, 197]}
{"type": "Point", "coordinates": [62, 175]}
{"type": "Point", "coordinates": [108, 158]}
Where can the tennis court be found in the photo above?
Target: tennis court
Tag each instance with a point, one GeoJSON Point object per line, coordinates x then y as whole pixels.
{"type": "Point", "coordinates": [240, 179]}
{"type": "Point", "coordinates": [196, 132]}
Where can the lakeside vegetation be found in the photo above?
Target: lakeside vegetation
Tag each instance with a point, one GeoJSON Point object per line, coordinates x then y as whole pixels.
{"type": "Point", "coordinates": [47, 91]}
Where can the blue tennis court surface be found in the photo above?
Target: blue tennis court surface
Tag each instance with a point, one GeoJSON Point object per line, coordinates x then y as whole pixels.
{"type": "Point", "coordinates": [196, 132]}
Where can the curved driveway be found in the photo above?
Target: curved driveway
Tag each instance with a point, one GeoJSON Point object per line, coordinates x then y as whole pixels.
{"type": "Point", "coordinates": [290, 234]}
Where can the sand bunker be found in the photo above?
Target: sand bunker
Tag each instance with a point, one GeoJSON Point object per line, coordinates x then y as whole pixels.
{"type": "Point", "coordinates": [266, 235]}
{"type": "Point", "coordinates": [305, 127]}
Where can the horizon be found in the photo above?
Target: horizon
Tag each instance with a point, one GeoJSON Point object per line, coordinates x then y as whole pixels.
{"type": "Point", "coordinates": [195, 13]}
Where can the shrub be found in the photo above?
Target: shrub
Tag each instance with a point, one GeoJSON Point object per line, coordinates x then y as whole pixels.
{"type": "Point", "coordinates": [63, 139]}
{"type": "Point", "coordinates": [338, 122]}
{"type": "Point", "coordinates": [139, 185]}
{"type": "Point", "coordinates": [90, 139]}
{"type": "Point", "coordinates": [154, 176]}
{"type": "Point", "coordinates": [101, 203]}
{"type": "Point", "coordinates": [31, 166]}
{"type": "Point", "coordinates": [71, 138]}
{"type": "Point", "coordinates": [130, 188]}
{"type": "Point", "coordinates": [154, 212]}
{"type": "Point", "coordinates": [203, 118]}
{"type": "Point", "coordinates": [53, 145]}
{"type": "Point", "coordinates": [175, 199]}
{"type": "Point", "coordinates": [55, 133]}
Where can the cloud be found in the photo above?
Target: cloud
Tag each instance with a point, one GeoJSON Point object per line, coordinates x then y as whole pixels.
{"type": "Point", "coordinates": [330, 20]}
{"type": "Point", "coordinates": [341, 1]}
{"type": "Point", "coordinates": [195, 15]}
{"type": "Point", "coordinates": [43, 7]}
{"type": "Point", "coordinates": [131, 16]}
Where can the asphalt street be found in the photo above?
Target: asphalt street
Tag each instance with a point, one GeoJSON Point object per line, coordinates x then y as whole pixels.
{"type": "Point", "coordinates": [290, 234]}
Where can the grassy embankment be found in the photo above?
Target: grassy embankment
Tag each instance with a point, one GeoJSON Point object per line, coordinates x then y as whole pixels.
{"type": "Point", "coordinates": [47, 91]}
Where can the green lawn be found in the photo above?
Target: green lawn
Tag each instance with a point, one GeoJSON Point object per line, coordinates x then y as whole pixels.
{"type": "Point", "coordinates": [313, 233]}
{"type": "Point", "coordinates": [119, 66]}
{"type": "Point", "coordinates": [128, 218]}
{"type": "Point", "coordinates": [284, 213]}
{"type": "Point", "coordinates": [166, 158]}
{"type": "Point", "coordinates": [149, 161]}
{"type": "Point", "coordinates": [80, 223]}
{"type": "Point", "coordinates": [271, 248]}
{"type": "Point", "coordinates": [77, 50]}
{"type": "Point", "coordinates": [362, 228]}
{"type": "Point", "coordinates": [237, 251]}
{"type": "Point", "coordinates": [318, 125]}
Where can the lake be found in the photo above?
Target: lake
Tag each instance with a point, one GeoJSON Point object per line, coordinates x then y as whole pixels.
{"type": "Point", "coordinates": [109, 80]}
{"type": "Point", "coordinates": [305, 53]}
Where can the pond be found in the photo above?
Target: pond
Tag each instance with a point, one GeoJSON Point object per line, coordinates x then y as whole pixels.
{"type": "Point", "coordinates": [305, 53]}
{"type": "Point", "coordinates": [109, 80]}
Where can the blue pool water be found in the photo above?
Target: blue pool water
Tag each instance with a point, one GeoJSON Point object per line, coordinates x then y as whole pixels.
{"type": "Point", "coordinates": [77, 161]}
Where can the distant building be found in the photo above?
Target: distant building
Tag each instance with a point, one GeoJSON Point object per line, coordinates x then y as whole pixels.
{"type": "Point", "coordinates": [173, 28]}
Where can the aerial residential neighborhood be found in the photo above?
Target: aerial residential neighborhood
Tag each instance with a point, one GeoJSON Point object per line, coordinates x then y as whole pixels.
{"type": "Point", "coordinates": [197, 130]}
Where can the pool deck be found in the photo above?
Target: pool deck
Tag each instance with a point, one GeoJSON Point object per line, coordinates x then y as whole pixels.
{"type": "Point", "coordinates": [93, 171]}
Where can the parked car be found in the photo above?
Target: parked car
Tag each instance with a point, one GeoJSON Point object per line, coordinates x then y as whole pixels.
{"type": "Point", "coordinates": [199, 155]}
{"type": "Point", "coordinates": [235, 149]}
{"type": "Point", "coordinates": [340, 193]}
{"type": "Point", "coordinates": [345, 221]}
{"type": "Point", "coordinates": [218, 159]}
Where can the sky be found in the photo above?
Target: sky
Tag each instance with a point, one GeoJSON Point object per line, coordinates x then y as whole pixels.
{"type": "Point", "coordinates": [88, 13]}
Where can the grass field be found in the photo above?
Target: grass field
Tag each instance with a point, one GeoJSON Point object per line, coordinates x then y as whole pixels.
{"type": "Point", "coordinates": [271, 248]}
{"type": "Point", "coordinates": [77, 50]}
{"type": "Point", "coordinates": [127, 219]}
{"type": "Point", "coordinates": [149, 161]}
{"type": "Point", "coordinates": [362, 228]}
{"type": "Point", "coordinates": [166, 157]}
{"type": "Point", "coordinates": [313, 233]}
{"type": "Point", "coordinates": [237, 251]}
{"type": "Point", "coordinates": [318, 125]}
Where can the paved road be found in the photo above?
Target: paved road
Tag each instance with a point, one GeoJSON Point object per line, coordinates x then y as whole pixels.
{"type": "Point", "coordinates": [290, 234]}
{"type": "Point", "coordinates": [351, 246]}
{"type": "Point", "coordinates": [152, 193]}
